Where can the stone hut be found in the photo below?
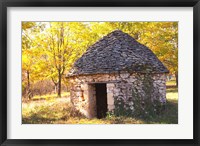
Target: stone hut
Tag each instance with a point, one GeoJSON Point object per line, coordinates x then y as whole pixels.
{"type": "Point", "coordinates": [113, 73]}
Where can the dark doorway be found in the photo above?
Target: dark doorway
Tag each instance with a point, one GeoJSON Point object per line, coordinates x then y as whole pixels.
{"type": "Point", "coordinates": [101, 100]}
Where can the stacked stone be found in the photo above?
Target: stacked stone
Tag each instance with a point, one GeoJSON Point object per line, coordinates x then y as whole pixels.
{"type": "Point", "coordinates": [160, 84]}
{"type": "Point", "coordinates": [119, 87]}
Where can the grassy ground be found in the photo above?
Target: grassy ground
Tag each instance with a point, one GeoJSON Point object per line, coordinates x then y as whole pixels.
{"type": "Point", "coordinates": [51, 110]}
{"type": "Point", "coordinates": [171, 83]}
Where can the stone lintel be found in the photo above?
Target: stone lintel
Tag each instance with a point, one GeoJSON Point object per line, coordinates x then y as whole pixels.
{"type": "Point", "coordinates": [105, 82]}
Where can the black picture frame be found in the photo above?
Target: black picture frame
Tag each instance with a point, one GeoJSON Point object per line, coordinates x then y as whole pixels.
{"type": "Point", "coordinates": [4, 4]}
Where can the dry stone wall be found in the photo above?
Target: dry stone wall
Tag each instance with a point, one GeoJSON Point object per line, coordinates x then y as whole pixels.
{"type": "Point", "coordinates": [122, 90]}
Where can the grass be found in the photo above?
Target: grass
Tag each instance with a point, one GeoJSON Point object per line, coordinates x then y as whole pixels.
{"type": "Point", "coordinates": [51, 110]}
{"type": "Point", "coordinates": [49, 96]}
{"type": "Point", "coordinates": [171, 83]}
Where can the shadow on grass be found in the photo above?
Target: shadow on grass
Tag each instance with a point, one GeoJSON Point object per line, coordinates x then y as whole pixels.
{"type": "Point", "coordinates": [64, 113]}
{"type": "Point", "coordinates": [46, 115]}
{"type": "Point", "coordinates": [168, 116]}
{"type": "Point", "coordinates": [50, 114]}
{"type": "Point", "coordinates": [37, 119]}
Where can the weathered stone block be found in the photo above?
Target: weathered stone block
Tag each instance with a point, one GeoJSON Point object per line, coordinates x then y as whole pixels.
{"type": "Point", "coordinates": [84, 86]}
{"type": "Point", "coordinates": [124, 75]}
{"type": "Point", "coordinates": [112, 78]}
{"type": "Point", "coordinates": [132, 79]}
{"type": "Point", "coordinates": [110, 99]}
{"type": "Point", "coordinates": [85, 95]}
{"type": "Point", "coordinates": [111, 107]}
{"type": "Point", "coordinates": [79, 94]}
{"type": "Point", "coordinates": [110, 85]}
{"type": "Point", "coordinates": [116, 90]}
{"type": "Point", "coordinates": [109, 90]}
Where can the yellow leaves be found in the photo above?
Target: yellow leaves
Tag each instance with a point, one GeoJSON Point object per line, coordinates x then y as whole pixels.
{"type": "Point", "coordinates": [49, 46]}
{"type": "Point", "coordinates": [162, 38]}
{"type": "Point", "coordinates": [27, 25]}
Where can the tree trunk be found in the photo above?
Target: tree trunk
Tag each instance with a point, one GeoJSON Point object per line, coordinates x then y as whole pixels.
{"type": "Point", "coordinates": [176, 76]}
{"type": "Point", "coordinates": [59, 84]}
{"type": "Point", "coordinates": [28, 90]}
{"type": "Point", "coordinates": [55, 88]}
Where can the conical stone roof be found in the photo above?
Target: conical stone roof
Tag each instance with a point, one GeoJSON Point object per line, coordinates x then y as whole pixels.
{"type": "Point", "coordinates": [117, 52]}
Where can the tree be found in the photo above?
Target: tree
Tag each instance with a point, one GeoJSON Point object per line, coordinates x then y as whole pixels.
{"type": "Point", "coordinates": [26, 57]}
{"type": "Point", "coordinates": [31, 55]}
{"type": "Point", "coordinates": [61, 47]}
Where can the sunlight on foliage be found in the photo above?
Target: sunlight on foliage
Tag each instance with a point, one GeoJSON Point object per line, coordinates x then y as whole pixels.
{"type": "Point", "coordinates": [49, 49]}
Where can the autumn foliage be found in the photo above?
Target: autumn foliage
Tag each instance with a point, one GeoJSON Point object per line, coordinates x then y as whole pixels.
{"type": "Point", "coordinates": [49, 49]}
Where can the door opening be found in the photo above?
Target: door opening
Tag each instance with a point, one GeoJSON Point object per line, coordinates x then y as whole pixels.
{"type": "Point", "coordinates": [101, 100]}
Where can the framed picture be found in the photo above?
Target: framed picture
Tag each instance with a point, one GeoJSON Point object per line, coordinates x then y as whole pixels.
{"type": "Point", "coordinates": [99, 72]}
